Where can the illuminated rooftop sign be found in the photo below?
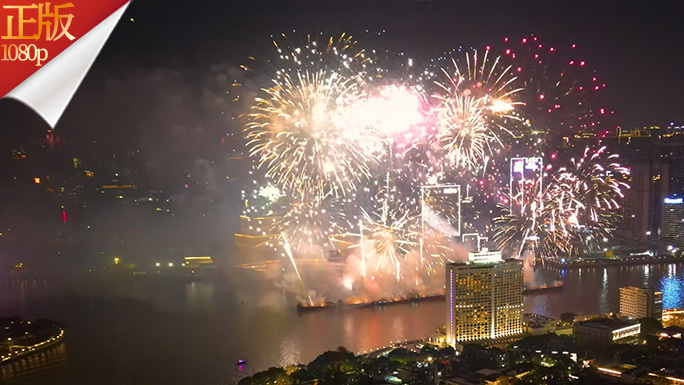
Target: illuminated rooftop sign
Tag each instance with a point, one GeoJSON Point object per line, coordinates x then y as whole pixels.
{"type": "Point", "coordinates": [521, 164]}
{"type": "Point", "coordinates": [674, 201]}
{"type": "Point", "coordinates": [485, 256]}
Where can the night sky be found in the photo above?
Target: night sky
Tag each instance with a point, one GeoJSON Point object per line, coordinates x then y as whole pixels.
{"type": "Point", "coordinates": [635, 47]}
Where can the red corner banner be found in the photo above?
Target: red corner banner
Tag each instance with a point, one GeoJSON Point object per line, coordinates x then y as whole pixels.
{"type": "Point", "coordinates": [46, 48]}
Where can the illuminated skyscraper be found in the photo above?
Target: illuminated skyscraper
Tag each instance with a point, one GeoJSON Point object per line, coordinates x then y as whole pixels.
{"type": "Point", "coordinates": [672, 227]}
{"type": "Point", "coordinates": [484, 297]}
{"type": "Point", "coordinates": [641, 302]}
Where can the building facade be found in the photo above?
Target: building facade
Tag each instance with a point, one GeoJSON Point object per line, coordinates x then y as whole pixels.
{"type": "Point", "coordinates": [641, 302]}
{"type": "Point", "coordinates": [672, 228]}
{"type": "Point", "coordinates": [599, 334]}
{"type": "Point", "coordinates": [644, 203]}
{"type": "Point", "coordinates": [484, 300]}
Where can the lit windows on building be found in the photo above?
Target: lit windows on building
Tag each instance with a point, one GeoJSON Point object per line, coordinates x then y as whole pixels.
{"type": "Point", "coordinates": [484, 300]}
{"type": "Point", "coordinates": [627, 331]}
{"type": "Point", "coordinates": [673, 317]}
{"type": "Point", "coordinates": [672, 225]}
{"type": "Point", "coordinates": [641, 302]}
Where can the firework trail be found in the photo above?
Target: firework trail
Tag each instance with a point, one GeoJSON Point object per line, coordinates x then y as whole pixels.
{"type": "Point", "coordinates": [307, 226]}
{"type": "Point", "coordinates": [391, 235]}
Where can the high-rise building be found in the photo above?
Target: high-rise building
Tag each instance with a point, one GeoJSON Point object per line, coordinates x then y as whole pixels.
{"type": "Point", "coordinates": [672, 227]}
{"type": "Point", "coordinates": [638, 203]}
{"type": "Point", "coordinates": [484, 298]}
{"type": "Point", "coordinates": [649, 187]}
{"type": "Point", "coordinates": [641, 302]}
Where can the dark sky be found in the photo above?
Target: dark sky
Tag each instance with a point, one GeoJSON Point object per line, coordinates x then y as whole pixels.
{"type": "Point", "coordinates": [636, 47]}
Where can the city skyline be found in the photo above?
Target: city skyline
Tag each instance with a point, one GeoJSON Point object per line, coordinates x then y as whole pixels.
{"type": "Point", "coordinates": [183, 146]}
{"type": "Point", "coordinates": [478, 192]}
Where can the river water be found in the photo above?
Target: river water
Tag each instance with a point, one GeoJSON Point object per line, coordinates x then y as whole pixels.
{"type": "Point", "coordinates": [192, 333]}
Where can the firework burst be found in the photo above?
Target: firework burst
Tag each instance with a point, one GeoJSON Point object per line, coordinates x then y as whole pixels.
{"type": "Point", "coordinates": [474, 105]}
{"type": "Point", "coordinates": [388, 233]}
{"type": "Point", "coordinates": [391, 236]}
{"type": "Point", "coordinates": [484, 78]}
{"type": "Point", "coordinates": [560, 90]}
{"type": "Point", "coordinates": [596, 181]}
{"type": "Point", "coordinates": [575, 213]}
{"type": "Point", "coordinates": [298, 129]}
{"type": "Point", "coordinates": [346, 141]}
{"type": "Point", "coordinates": [307, 226]}
{"type": "Point", "coordinates": [463, 132]}
{"type": "Point", "coordinates": [524, 226]}
{"type": "Point", "coordinates": [550, 231]}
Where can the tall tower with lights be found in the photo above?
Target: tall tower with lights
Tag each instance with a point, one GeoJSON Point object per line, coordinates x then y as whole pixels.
{"type": "Point", "coordinates": [484, 298]}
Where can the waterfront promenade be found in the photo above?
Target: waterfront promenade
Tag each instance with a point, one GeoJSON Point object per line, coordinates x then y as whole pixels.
{"type": "Point", "coordinates": [19, 351]}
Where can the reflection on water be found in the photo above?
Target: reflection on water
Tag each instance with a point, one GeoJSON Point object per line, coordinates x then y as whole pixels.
{"type": "Point", "coordinates": [596, 290]}
{"type": "Point", "coordinates": [193, 333]}
{"type": "Point", "coordinates": [289, 352]}
{"type": "Point", "coordinates": [603, 296]}
{"type": "Point", "coordinates": [200, 296]}
{"type": "Point", "coordinates": [671, 285]}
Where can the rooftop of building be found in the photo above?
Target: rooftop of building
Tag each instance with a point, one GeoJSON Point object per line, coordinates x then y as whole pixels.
{"type": "Point", "coordinates": [537, 320]}
{"type": "Point", "coordinates": [649, 288]}
{"type": "Point", "coordinates": [482, 264]}
{"type": "Point", "coordinates": [607, 323]}
{"type": "Point", "coordinates": [639, 288]}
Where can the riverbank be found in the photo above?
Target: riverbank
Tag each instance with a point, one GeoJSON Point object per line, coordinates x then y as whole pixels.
{"type": "Point", "coordinates": [27, 338]}
{"type": "Point", "coordinates": [617, 261]}
{"type": "Point", "coordinates": [303, 307]}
